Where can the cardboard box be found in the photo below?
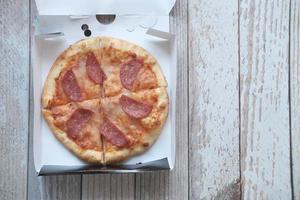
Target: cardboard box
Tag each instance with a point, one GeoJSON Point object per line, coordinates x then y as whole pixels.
{"type": "Point", "coordinates": [60, 26]}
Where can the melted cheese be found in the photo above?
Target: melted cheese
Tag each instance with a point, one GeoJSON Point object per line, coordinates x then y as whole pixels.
{"type": "Point", "coordinates": [112, 86]}
{"type": "Point", "coordinates": [90, 89]}
{"type": "Point", "coordinates": [89, 136]}
{"type": "Point", "coordinates": [146, 79]}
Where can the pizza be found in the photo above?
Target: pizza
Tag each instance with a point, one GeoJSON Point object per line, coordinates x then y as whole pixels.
{"type": "Point", "coordinates": [105, 99]}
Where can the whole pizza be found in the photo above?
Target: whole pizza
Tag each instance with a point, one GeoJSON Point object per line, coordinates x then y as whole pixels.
{"type": "Point", "coordinates": [105, 99]}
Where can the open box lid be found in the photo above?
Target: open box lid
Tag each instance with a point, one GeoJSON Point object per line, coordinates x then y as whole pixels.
{"type": "Point", "coordinates": [92, 7]}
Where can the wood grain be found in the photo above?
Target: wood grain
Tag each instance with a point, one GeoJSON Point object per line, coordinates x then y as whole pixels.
{"type": "Point", "coordinates": [215, 46]}
{"type": "Point", "coordinates": [108, 186]}
{"type": "Point", "coordinates": [50, 187]}
{"type": "Point", "coordinates": [295, 92]}
{"type": "Point", "coordinates": [265, 146]}
{"type": "Point", "coordinates": [60, 187]}
{"type": "Point", "coordinates": [14, 81]}
{"type": "Point", "coordinates": [153, 186]}
{"type": "Point", "coordinates": [213, 100]}
{"type": "Point", "coordinates": [163, 185]}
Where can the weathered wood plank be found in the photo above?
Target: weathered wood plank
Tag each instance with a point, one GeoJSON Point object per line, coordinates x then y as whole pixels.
{"type": "Point", "coordinates": [54, 187]}
{"type": "Point", "coordinates": [173, 185]}
{"type": "Point", "coordinates": [264, 54]}
{"type": "Point", "coordinates": [162, 185]}
{"type": "Point", "coordinates": [108, 186]}
{"type": "Point", "coordinates": [213, 100]}
{"type": "Point", "coordinates": [14, 59]}
{"type": "Point", "coordinates": [60, 187]}
{"type": "Point", "coordinates": [295, 92]}
{"type": "Point", "coordinates": [154, 185]}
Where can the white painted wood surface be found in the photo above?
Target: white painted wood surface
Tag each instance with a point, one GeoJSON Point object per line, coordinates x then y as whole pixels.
{"type": "Point", "coordinates": [233, 119]}
{"type": "Point", "coordinates": [213, 100]}
{"type": "Point", "coordinates": [14, 96]}
{"type": "Point", "coordinates": [295, 93]}
{"type": "Point", "coordinates": [264, 67]}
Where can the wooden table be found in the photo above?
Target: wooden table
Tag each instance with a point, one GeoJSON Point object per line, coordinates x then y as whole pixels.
{"type": "Point", "coordinates": [238, 108]}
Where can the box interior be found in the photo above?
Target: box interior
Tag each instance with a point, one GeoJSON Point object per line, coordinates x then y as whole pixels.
{"type": "Point", "coordinates": [55, 33]}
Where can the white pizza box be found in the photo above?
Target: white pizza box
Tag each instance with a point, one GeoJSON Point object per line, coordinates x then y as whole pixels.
{"type": "Point", "coordinates": [55, 31]}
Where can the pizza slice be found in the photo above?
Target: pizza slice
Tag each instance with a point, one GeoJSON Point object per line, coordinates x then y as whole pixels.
{"type": "Point", "coordinates": [128, 67]}
{"type": "Point", "coordinates": [132, 122]}
{"type": "Point", "coordinates": [75, 76]}
{"type": "Point", "coordinates": [77, 126]}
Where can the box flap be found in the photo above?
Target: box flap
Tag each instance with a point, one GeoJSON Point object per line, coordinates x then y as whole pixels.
{"type": "Point", "coordinates": [92, 7]}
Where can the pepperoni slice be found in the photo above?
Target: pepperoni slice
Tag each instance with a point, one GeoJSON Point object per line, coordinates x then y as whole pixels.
{"type": "Point", "coordinates": [129, 72]}
{"type": "Point", "coordinates": [70, 86]}
{"type": "Point", "coordinates": [113, 134]}
{"type": "Point", "coordinates": [135, 108]}
{"type": "Point", "coordinates": [78, 121]}
{"type": "Point", "coordinates": [94, 71]}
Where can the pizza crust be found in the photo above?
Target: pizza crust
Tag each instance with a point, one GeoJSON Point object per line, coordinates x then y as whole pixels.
{"type": "Point", "coordinates": [123, 154]}
{"type": "Point", "coordinates": [88, 155]}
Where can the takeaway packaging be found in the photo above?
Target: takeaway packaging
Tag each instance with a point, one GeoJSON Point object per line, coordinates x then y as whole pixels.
{"type": "Point", "coordinates": [58, 25]}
